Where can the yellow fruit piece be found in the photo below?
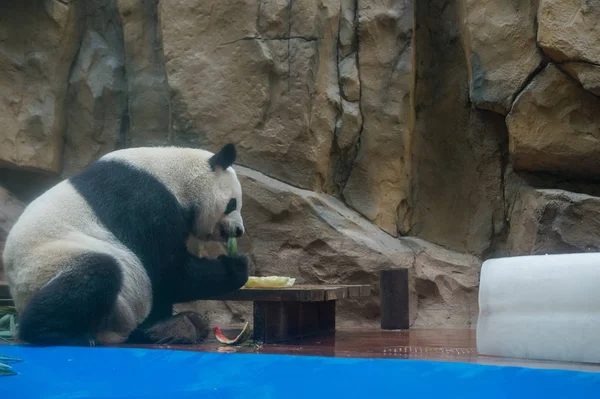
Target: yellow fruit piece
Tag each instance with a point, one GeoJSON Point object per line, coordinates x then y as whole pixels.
{"type": "Point", "coordinates": [269, 282]}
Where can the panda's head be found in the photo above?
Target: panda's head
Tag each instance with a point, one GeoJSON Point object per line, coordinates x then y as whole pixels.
{"type": "Point", "coordinates": [218, 193]}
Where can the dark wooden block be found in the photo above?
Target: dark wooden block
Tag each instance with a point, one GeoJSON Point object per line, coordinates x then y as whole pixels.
{"type": "Point", "coordinates": [327, 316]}
{"type": "Point", "coordinates": [393, 285]}
{"type": "Point", "coordinates": [285, 321]}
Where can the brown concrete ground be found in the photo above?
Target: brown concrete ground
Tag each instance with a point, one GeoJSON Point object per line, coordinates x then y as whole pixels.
{"type": "Point", "coordinates": [438, 344]}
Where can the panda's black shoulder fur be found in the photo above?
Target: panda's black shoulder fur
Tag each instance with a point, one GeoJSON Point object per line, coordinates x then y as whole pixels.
{"type": "Point", "coordinates": [140, 211]}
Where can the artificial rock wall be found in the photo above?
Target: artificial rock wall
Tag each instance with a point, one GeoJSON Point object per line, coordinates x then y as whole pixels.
{"type": "Point", "coordinates": [371, 134]}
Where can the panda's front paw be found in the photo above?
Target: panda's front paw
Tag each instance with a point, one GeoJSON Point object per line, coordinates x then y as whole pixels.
{"type": "Point", "coordinates": [237, 268]}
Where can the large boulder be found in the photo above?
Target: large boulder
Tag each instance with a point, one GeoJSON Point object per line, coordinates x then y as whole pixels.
{"type": "Point", "coordinates": [318, 240]}
{"type": "Point", "coordinates": [554, 126]}
{"type": "Point", "coordinates": [38, 42]}
{"type": "Point", "coordinates": [377, 183]}
{"type": "Point", "coordinates": [446, 285]}
{"type": "Point", "coordinates": [97, 118]}
{"type": "Point", "coordinates": [264, 77]}
{"type": "Point", "coordinates": [569, 30]}
{"type": "Point", "coordinates": [587, 74]}
{"type": "Point", "coordinates": [10, 210]}
{"type": "Point", "coordinates": [551, 221]}
{"type": "Point", "coordinates": [500, 45]}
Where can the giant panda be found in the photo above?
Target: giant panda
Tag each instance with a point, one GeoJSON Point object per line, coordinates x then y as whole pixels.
{"type": "Point", "coordinates": [101, 258]}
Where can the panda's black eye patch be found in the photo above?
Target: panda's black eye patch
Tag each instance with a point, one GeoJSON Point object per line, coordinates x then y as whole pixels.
{"type": "Point", "coordinates": [231, 205]}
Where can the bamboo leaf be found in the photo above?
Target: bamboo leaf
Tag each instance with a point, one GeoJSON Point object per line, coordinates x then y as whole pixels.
{"type": "Point", "coordinates": [5, 373]}
{"type": "Point", "coordinates": [5, 369]}
{"type": "Point", "coordinates": [6, 358]}
{"type": "Point", "coordinates": [10, 360]}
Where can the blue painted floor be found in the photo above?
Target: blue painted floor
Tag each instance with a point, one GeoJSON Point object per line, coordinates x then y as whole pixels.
{"type": "Point", "coordinates": [65, 372]}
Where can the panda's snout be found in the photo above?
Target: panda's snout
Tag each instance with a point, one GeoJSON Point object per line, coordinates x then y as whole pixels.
{"type": "Point", "coordinates": [226, 232]}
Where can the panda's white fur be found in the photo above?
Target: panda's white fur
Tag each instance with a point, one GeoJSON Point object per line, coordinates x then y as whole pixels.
{"type": "Point", "coordinates": [49, 234]}
{"type": "Point", "coordinates": [200, 184]}
{"type": "Point", "coordinates": [61, 224]}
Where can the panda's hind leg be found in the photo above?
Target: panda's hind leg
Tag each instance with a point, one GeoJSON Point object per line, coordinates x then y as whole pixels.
{"type": "Point", "coordinates": [182, 328]}
{"type": "Point", "coordinates": [70, 308]}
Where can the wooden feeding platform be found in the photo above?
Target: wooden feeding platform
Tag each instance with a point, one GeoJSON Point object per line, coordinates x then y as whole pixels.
{"type": "Point", "coordinates": [281, 314]}
{"type": "Point", "coordinates": [300, 311]}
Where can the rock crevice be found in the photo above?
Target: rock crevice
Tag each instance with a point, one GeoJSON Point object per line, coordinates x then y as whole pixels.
{"type": "Point", "coordinates": [349, 118]}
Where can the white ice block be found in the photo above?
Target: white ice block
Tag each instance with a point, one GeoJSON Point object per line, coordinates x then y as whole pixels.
{"type": "Point", "coordinates": [543, 307]}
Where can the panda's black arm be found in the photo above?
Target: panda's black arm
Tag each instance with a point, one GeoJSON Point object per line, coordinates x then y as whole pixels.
{"type": "Point", "coordinates": [202, 278]}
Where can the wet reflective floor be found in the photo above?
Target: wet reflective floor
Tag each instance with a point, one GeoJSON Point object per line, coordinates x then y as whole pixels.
{"type": "Point", "coordinates": [438, 344]}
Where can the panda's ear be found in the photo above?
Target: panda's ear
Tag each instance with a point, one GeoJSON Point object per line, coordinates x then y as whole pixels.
{"type": "Point", "coordinates": [224, 158]}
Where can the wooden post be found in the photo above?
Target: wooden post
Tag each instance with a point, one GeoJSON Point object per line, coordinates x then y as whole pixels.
{"type": "Point", "coordinates": [393, 284]}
